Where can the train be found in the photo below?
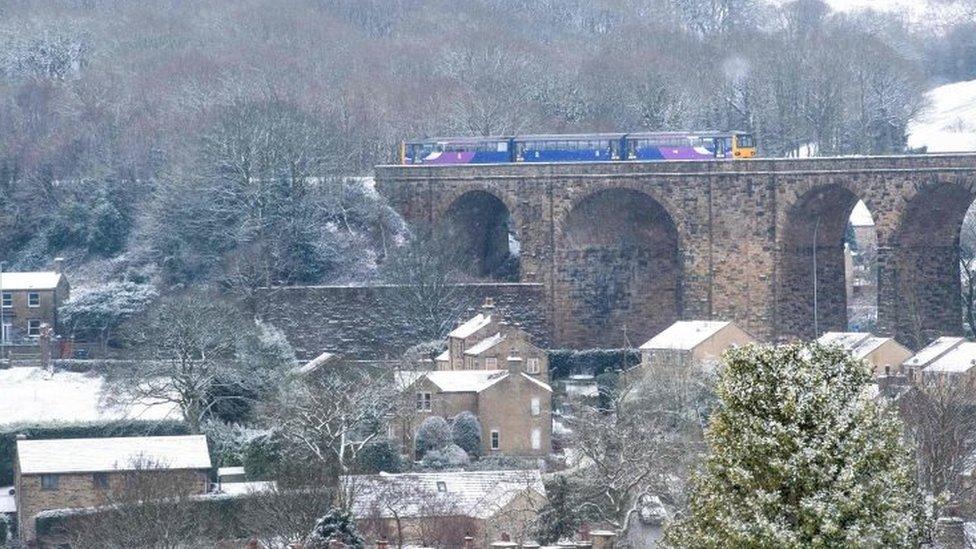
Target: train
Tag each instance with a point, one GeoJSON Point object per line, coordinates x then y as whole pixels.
{"type": "Point", "coordinates": [588, 147]}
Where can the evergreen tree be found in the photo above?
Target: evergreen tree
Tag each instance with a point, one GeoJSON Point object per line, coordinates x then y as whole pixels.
{"type": "Point", "coordinates": [801, 457]}
{"type": "Point", "coordinates": [434, 434]}
{"type": "Point", "coordinates": [466, 432]}
{"type": "Point", "coordinates": [337, 525]}
{"type": "Point", "coordinates": [379, 456]}
{"type": "Point", "coordinates": [109, 229]}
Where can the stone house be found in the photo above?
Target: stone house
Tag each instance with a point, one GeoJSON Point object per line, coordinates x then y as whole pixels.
{"type": "Point", "coordinates": [946, 358]}
{"type": "Point", "coordinates": [29, 300]}
{"type": "Point", "coordinates": [884, 354]}
{"type": "Point", "coordinates": [693, 341]}
{"type": "Point", "coordinates": [442, 508]}
{"type": "Point", "coordinates": [513, 407]}
{"type": "Point", "coordinates": [77, 473]}
{"type": "Point", "coordinates": [930, 354]}
{"type": "Point", "coordinates": [486, 340]}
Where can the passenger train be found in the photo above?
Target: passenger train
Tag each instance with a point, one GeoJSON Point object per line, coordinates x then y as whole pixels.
{"type": "Point", "coordinates": [599, 147]}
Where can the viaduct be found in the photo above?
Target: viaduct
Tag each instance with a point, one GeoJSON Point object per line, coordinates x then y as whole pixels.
{"type": "Point", "coordinates": [622, 249]}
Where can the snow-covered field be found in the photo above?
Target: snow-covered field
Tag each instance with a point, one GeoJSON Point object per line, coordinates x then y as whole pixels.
{"type": "Point", "coordinates": [948, 124]}
{"type": "Point", "coordinates": [33, 395]}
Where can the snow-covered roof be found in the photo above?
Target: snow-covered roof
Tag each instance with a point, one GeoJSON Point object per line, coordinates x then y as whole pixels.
{"type": "Point", "coordinates": [41, 280]}
{"type": "Point", "coordinates": [465, 381]}
{"type": "Point", "coordinates": [484, 345]}
{"type": "Point", "coordinates": [8, 502]}
{"type": "Point", "coordinates": [316, 363]}
{"type": "Point", "coordinates": [859, 344]}
{"type": "Point", "coordinates": [537, 382]}
{"type": "Point", "coordinates": [933, 351]}
{"type": "Point", "coordinates": [229, 471]}
{"type": "Point", "coordinates": [685, 335]}
{"type": "Point", "coordinates": [959, 360]}
{"type": "Point", "coordinates": [477, 494]}
{"type": "Point", "coordinates": [86, 455]}
{"type": "Point", "coordinates": [471, 327]}
{"type": "Point", "coordinates": [36, 396]}
{"type": "Point", "coordinates": [443, 357]}
{"type": "Point", "coordinates": [244, 488]}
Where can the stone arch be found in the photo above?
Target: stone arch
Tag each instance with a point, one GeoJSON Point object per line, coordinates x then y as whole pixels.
{"type": "Point", "coordinates": [921, 293]}
{"type": "Point", "coordinates": [813, 292]}
{"type": "Point", "coordinates": [619, 266]}
{"type": "Point", "coordinates": [481, 228]}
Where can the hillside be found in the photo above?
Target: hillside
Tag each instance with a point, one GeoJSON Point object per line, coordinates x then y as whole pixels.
{"type": "Point", "coordinates": [948, 123]}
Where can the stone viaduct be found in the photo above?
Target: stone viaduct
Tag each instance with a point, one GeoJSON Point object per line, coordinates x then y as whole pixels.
{"type": "Point", "coordinates": [625, 248]}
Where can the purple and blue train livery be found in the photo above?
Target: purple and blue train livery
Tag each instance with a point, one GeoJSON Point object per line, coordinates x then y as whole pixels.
{"type": "Point", "coordinates": [606, 147]}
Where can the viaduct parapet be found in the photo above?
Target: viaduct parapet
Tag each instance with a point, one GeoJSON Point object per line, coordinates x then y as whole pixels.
{"type": "Point", "coordinates": [625, 248]}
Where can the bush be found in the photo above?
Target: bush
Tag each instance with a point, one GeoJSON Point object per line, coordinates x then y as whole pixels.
{"type": "Point", "coordinates": [566, 362]}
{"type": "Point", "coordinates": [466, 432]}
{"type": "Point", "coordinates": [261, 455]}
{"type": "Point", "coordinates": [448, 457]}
{"type": "Point", "coordinates": [379, 456]}
{"type": "Point", "coordinates": [337, 525]}
{"type": "Point", "coordinates": [434, 434]}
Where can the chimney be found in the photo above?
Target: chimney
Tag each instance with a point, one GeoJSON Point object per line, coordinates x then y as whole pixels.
{"type": "Point", "coordinates": [59, 265]}
{"type": "Point", "coordinates": [382, 544]}
{"type": "Point", "coordinates": [468, 542]}
{"type": "Point", "coordinates": [514, 364]}
{"type": "Point", "coordinates": [602, 539]}
{"type": "Point", "coordinates": [488, 306]}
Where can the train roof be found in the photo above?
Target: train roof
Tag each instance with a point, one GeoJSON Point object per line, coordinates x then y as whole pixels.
{"type": "Point", "coordinates": [568, 136]}
{"type": "Point", "coordinates": [580, 136]}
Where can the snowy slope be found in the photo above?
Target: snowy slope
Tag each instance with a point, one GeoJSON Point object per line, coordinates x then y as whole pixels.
{"type": "Point", "coordinates": [948, 124]}
{"type": "Point", "coordinates": [32, 395]}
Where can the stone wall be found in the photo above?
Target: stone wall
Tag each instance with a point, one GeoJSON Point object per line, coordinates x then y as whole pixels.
{"type": "Point", "coordinates": [741, 236]}
{"type": "Point", "coordinates": [362, 322]}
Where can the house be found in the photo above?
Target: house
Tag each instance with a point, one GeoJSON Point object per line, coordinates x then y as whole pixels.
{"type": "Point", "coordinates": [959, 360]}
{"type": "Point", "coordinates": [932, 352]}
{"type": "Point", "coordinates": [884, 354]}
{"type": "Point", "coordinates": [29, 300]}
{"type": "Point", "coordinates": [442, 508]}
{"type": "Point", "coordinates": [513, 407]}
{"type": "Point", "coordinates": [693, 341]}
{"type": "Point", "coordinates": [84, 472]}
{"type": "Point", "coordinates": [486, 340]}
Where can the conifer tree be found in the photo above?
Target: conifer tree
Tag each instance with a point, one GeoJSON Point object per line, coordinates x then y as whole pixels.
{"type": "Point", "coordinates": [801, 456]}
{"type": "Point", "coordinates": [337, 525]}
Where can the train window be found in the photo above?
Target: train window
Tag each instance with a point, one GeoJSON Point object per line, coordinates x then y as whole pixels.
{"type": "Point", "coordinates": [745, 141]}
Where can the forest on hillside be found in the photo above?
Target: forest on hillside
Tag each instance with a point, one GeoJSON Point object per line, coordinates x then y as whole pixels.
{"type": "Point", "coordinates": [172, 144]}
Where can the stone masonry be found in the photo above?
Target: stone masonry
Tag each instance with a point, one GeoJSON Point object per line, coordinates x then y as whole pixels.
{"type": "Point", "coordinates": [622, 249]}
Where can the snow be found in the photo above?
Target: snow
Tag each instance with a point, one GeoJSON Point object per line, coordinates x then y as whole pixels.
{"type": "Point", "coordinates": [484, 345]}
{"type": "Point", "coordinates": [8, 502]}
{"type": "Point", "coordinates": [30, 281]}
{"type": "Point", "coordinates": [685, 335]}
{"type": "Point", "coordinates": [861, 216]}
{"type": "Point", "coordinates": [933, 351]}
{"type": "Point", "coordinates": [478, 494]}
{"type": "Point", "coordinates": [959, 360]}
{"type": "Point", "coordinates": [465, 381]}
{"type": "Point", "coordinates": [84, 455]}
{"type": "Point", "coordinates": [316, 363]}
{"type": "Point", "coordinates": [230, 471]}
{"type": "Point", "coordinates": [35, 396]}
{"type": "Point", "coordinates": [245, 488]}
{"type": "Point", "coordinates": [471, 327]}
{"type": "Point", "coordinates": [948, 124]}
{"type": "Point", "coordinates": [859, 344]}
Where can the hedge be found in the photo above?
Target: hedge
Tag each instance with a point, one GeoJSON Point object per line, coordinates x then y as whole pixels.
{"type": "Point", "coordinates": [566, 362]}
{"type": "Point", "coordinates": [8, 436]}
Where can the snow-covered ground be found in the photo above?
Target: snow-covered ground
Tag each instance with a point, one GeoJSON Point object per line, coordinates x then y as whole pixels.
{"type": "Point", "coordinates": [33, 395]}
{"type": "Point", "coordinates": [948, 124]}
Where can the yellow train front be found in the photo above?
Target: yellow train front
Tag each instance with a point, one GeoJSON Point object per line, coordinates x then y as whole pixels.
{"type": "Point", "coordinates": [602, 147]}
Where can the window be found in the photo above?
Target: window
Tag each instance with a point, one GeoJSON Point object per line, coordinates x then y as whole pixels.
{"type": "Point", "coordinates": [491, 363]}
{"type": "Point", "coordinates": [8, 300]}
{"type": "Point", "coordinates": [49, 482]}
{"type": "Point", "coordinates": [532, 366]}
{"type": "Point", "coordinates": [536, 406]}
{"type": "Point", "coordinates": [100, 480]}
{"type": "Point", "coordinates": [494, 440]}
{"type": "Point", "coordinates": [536, 439]}
{"type": "Point", "coordinates": [424, 402]}
{"type": "Point", "coordinates": [441, 486]}
{"type": "Point", "coordinates": [33, 328]}
{"type": "Point", "coordinates": [33, 299]}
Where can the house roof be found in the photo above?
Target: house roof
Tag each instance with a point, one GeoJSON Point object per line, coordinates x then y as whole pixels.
{"type": "Point", "coordinates": [685, 335]}
{"type": "Point", "coordinates": [471, 327]}
{"type": "Point", "coordinates": [859, 344]}
{"type": "Point", "coordinates": [86, 455]}
{"type": "Point", "coordinates": [460, 381]}
{"type": "Point", "coordinates": [933, 351]}
{"type": "Point", "coordinates": [484, 345]}
{"type": "Point", "coordinates": [960, 359]}
{"type": "Point", "coordinates": [477, 494]}
{"type": "Point", "coordinates": [316, 363]}
{"type": "Point", "coordinates": [443, 357]}
{"type": "Point", "coordinates": [40, 280]}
